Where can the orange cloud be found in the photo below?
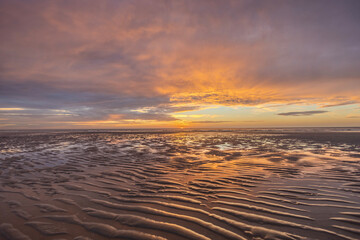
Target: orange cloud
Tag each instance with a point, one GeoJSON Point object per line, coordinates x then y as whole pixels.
{"type": "Point", "coordinates": [115, 62]}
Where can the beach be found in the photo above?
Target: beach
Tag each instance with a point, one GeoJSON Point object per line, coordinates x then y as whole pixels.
{"type": "Point", "coordinates": [172, 184]}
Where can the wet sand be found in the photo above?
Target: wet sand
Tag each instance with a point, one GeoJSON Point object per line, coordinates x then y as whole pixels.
{"type": "Point", "coordinates": [180, 185]}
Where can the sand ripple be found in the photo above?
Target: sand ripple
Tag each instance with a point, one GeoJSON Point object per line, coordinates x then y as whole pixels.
{"type": "Point", "coordinates": [191, 185]}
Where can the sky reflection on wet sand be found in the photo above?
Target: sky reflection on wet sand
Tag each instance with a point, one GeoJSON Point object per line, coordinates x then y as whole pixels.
{"type": "Point", "coordinates": [274, 184]}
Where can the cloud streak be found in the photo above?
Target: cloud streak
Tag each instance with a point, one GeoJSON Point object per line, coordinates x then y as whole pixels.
{"type": "Point", "coordinates": [304, 113]}
{"type": "Point", "coordinates": [340, 104]}
{"type": "Point", "coordinates": [211, 121]}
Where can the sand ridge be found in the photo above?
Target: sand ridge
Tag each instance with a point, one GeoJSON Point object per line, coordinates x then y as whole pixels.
{"type": "Point", "coordinates": [178, 185]}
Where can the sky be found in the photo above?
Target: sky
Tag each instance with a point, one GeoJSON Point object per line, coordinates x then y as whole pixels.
{"type": "Point", "coordinates": [179, 64]}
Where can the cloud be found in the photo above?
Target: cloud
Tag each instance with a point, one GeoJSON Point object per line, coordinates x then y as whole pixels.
{"type": "Point", "coordinates": [11, 109]}
{"type": "Point", "coordinates": [252, 121]}
{"type": "Point", "coordinates": [304, 113]}
{"type": "Point", "coordinates": [100, 58]}
{"type": "Point", "coordinates": [340, 104]}
{"type": "Point", "coordinates": [211, 121]}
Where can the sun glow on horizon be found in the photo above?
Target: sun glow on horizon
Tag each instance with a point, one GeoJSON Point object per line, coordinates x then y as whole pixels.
{"type": "Point", "coordinates": [150, 64]}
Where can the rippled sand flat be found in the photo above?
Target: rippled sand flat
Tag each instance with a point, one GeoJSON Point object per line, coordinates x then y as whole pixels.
{"type": "Point", "coordinates": [237, 184]}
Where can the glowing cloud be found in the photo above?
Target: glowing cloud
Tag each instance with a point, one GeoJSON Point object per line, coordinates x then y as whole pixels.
{"type": "Point", "coordinates": [148, 60]}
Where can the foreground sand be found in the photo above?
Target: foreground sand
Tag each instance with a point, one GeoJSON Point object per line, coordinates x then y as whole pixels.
{"type": "Point", "coordinates": [186, 185]}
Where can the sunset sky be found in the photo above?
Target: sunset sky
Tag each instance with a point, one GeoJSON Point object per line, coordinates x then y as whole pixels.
{"type": "Point", "coordinates": [151, 64]}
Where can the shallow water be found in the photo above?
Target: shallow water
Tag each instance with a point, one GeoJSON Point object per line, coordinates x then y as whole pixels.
{"type": "Point", "coordinates": [235, 184]}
